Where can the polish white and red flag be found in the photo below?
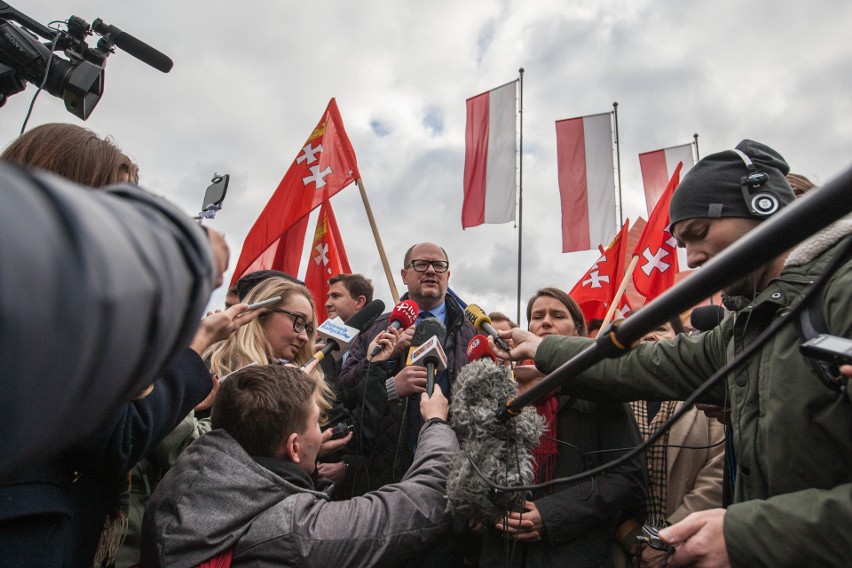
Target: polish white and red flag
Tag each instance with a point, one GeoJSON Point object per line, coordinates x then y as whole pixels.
{"type": "Point", "coordinates": [657, 248]}
{"type": "Point", "coordinates": [586, 181]}
{"type": "Point", "coordinates": [489, 159]}
{"type": "Point", "coordinates": [657, 168]}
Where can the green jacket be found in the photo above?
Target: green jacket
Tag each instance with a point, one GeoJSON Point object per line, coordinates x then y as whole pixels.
{"type": "Point", "coordinates": [792, 433]}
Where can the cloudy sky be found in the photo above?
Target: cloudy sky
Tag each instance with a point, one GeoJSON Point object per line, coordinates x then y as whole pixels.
{"type": "Point", "coordinates": [251, 80]}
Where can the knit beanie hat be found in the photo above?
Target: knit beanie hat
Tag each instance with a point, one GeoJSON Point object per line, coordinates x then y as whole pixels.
{"type": "Point", "coordinates": [723, 185]}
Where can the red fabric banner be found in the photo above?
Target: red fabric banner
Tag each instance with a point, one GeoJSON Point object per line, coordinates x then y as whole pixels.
{"type": "Point", "coordinates": [327, 259]}
{"type": "Point", "coordinates": [595, 290]}
{"type": "Point", "coordinates": [325, 165]}
{"type": "Point", "coordinates": [657, 249]}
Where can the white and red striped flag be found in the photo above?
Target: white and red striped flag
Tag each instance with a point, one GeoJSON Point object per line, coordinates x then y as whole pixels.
{"type": "Point", "coordinates": [657, 168]}
{"type": "Point", "coordinates": [586, 181]}
{"type": "Point", "coordinates": [489, 160]}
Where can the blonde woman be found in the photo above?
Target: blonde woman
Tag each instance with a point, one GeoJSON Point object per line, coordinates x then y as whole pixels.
{"type": "Point", "coordinates": [285, 333]}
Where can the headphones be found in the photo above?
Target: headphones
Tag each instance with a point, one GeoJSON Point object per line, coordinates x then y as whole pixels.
{"type": "Point", "coordinates": [759, 203]}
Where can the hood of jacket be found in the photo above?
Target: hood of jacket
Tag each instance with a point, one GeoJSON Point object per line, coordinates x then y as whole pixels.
{"type": "Point", "coordinates": [207, 501]}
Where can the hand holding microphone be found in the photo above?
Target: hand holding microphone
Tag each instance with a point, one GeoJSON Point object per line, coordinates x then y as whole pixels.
{"type": "Point", "coordinates": [385, 342]}
{"type": "Point", "coordinates": [403, 316]}
{"type": "Point", "coordinates": [338, 334]}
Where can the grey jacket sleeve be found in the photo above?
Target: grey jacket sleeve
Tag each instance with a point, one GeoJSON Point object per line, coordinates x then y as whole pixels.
{"type": "Point", "coordinates": [98, 291]}
{"type": "Point", "coordinates": [392, 523]}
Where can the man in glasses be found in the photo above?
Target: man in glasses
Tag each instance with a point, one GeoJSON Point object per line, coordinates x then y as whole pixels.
{"type": "Point", "coordinates": [426, 273]}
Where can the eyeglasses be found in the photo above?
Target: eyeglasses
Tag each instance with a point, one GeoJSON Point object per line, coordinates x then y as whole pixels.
{"type": "Point", "coordinates": [300, 324]}
{"type": "Point", "coordinates": [440, 266]}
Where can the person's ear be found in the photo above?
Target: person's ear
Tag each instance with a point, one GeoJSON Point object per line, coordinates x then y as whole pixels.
{"type": "Point", "coordinates": [361, 302]}
{"type": "Point", "coordinates": [404, 273]}
{"type": "Point", "coordinates": [292, 447]}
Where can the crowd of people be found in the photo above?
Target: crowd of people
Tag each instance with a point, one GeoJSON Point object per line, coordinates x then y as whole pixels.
{"type": "Point", "coordinates": [212, 444]}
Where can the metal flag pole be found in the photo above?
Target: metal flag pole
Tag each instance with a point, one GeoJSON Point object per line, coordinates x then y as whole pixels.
{"type": "Point", "coordinates": [618, 163]}
{"type": "Point", "coordinates": [695, 141]}
{"type": "Point", "coordinates": [378, 238]}
{"type": "Point", "coordinates": [520, 191]}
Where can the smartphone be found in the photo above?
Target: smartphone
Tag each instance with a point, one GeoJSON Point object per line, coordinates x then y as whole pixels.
{"type": "Point", "coordinates": [341, 429]}
{"type": "Point", "coordinates": [830, 348]}
{"type": "Point", "coordinates": [263, 303]}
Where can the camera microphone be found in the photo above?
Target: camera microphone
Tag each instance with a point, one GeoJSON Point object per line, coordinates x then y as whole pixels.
{"type": "Point", "coordinates": [134, 46]}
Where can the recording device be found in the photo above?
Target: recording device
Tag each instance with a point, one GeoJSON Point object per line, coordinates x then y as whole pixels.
{"type": "Point", "coordinates": [829, 348]}
{"type": "Point", "coordinates": [478, 349]}
{"type": "Point", "coordinates": [480, 320]}
{"type": "Point", "coordinates": [340, 430]}
{"type": "Point", "coordinates": [426, 350]}
{"type": "Point", "coordinates": [402, 316]}
{"type": "Point", "coordinates": [338, 335]}
{"type": "Point", "coordinates": [214, 197]}
{"type": "Point", "coordinates": [651, 536]}
{"type": "Point", "coordinates": [263, 303]}
{"type": "Point", "coordinates": [760, 203]}
{"type": "Point", "coordinates": [78, 80]}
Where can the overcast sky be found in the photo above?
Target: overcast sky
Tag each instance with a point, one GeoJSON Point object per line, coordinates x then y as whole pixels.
{"type": "Point", "coordinates": [251, 80]}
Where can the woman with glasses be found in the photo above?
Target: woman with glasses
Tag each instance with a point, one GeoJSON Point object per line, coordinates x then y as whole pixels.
{"type": "Point", "coordinates": [569, 525]}
{"type": "Point", "coordinates": [285, 333]}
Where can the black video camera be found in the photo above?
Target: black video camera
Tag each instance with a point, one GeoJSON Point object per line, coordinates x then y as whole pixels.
{"type": "Point", "coordinates": [79, 80]}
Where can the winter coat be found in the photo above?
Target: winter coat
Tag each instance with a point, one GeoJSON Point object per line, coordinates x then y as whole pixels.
{"type": "Point", "coordinates": [580, 519]}
{"type": "Point", "coordinates": [792, 433]}
{"type": "Point", "coordinates": [216, 497]}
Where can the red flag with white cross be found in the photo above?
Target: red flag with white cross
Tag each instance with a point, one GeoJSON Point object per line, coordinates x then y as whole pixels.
{"type": "Point", "coordinates": [325, 165]}
{"type": "Point", "coordinates": [327, 259]}
{"type": "Point", "coordinates": [657, 248]}
{"type": "Point", "coordinates": [595, 290]}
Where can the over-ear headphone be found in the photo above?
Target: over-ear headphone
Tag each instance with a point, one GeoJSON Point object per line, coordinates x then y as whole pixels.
{"type": "Point", "coordinates": [759, 203]}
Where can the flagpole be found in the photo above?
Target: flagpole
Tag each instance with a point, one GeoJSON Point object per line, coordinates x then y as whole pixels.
{"type": "Point", "coordinates": [379, 246]}
{"type": "Point", "coordinates": [520, 194]}
{"type": "Point", "coordinates": [695, 141]}
{"type": "Point", "coordinates": [616, 300]}
{"type": "Point", "coordinates": [618, 164]}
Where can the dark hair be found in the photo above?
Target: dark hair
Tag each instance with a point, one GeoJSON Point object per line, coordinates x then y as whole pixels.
{"type": "Point", "coordinates": [356, 284]}
{"type": "Point", "coordinates": [261, 405]}
{"type": "Point", "coordinates": [407, 258]}
{"type": "Point", "coordinates": [500, 316]}
{"type": "Point", "coordinates": [562, 297]}
{"type": "Point", "coordinates": [247, 283]}
{"type": "Point", "coordinates": [799, 184]}
{"type": "Point", "coordinates": [74, 153]}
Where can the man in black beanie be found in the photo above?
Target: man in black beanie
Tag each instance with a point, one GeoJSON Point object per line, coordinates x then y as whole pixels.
{"type": "Point", "coordinates": [791, 424]}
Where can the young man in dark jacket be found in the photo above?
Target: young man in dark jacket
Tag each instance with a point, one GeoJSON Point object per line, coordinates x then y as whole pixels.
{"type": "Point", "coordinates": [791, 429]}
{"type": "Point", "coordinates": [246, 488]}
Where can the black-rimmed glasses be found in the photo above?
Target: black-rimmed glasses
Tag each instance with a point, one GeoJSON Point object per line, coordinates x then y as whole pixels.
{"type": "Point", "coordinates": [419, 265]}
{"type": "Point", "coordinates": [300, 324]}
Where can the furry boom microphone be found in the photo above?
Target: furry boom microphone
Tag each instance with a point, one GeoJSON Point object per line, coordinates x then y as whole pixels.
{"type": "Point", "coordinates": [500, 450]}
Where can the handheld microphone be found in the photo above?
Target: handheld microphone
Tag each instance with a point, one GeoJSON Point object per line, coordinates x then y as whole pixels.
{"type": "Point", "coordinates": [478, 349]}
{"type": "Point", "coordinates": [338, 335]}
{"type": "Point", "coordinates": [402, 316]}
{"type": "Point", "coordinates": [426, 349]}
{"type": "Point", "coordinates": [480, 320]}
{"type": "Point", "coordinates": [705, 318]}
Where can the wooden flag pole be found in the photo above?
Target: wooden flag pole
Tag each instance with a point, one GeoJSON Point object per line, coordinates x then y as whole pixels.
{"type": "Point", "coordinates": [618, 294]}
{"type": "Point", "coordinates": [378, 239]}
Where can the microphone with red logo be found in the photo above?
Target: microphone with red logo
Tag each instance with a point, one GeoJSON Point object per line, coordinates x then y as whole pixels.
{"type": "Point", "coordinates": [426, 350]}
{"type": "Point", "coordinates": [478, 349]}
{"type": "Point", "coordinates": [402, 316]}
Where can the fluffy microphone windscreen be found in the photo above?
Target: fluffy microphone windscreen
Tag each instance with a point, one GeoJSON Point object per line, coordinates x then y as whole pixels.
{"type": "Point", "coordinates": [501, 450]}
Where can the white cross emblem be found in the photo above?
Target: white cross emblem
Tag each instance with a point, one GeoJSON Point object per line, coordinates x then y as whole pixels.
{"type": "Point", "coordinates": [321, 257]}
{"type": "Point", "coordinates": [318, 177]}
{"type": "Point", "coordinates": [595, 278]}
{"type": "Point", "coordinates": [655, 261]}
{"type": "Point", "coordinates": [671, 241]}
{"type": "Point", "coordinates": [309, 156]}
